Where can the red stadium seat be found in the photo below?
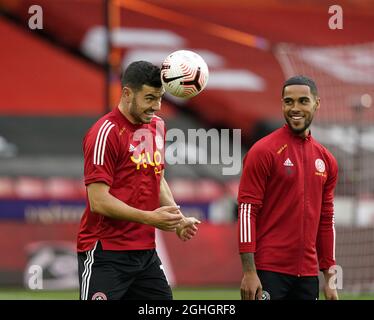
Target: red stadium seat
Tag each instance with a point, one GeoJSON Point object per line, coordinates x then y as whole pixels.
{"type": "Point", "coordinates": [6, 188]}
{"type": "Point", "coordinates": [232, 187]}
{"type": "Point", "coordinates": [30, 188]}
{"type": "Point", "coordinates": [62, 188]}
{"type": "Point", "coordinates": [201, 190]}
{"type": "Point", "coordinates": [208, 190]}
{"type": "Point", "coordinates": [183, 190]}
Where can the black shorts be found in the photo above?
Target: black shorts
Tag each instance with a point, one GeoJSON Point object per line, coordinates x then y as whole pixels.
{"type": "Point", "coordinates": [282, 286]}
{"type": "Point", "coordinates": [122, 275]}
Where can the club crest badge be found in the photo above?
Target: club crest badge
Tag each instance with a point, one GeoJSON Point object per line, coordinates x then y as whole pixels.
{"type": "Point", "coordinates": [320, 165]}
{"type": "Point", "coordinates": [99, 296]}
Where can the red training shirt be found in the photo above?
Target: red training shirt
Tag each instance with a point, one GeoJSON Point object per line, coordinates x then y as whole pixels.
{"type": "Point", "coordinates": [286, 212]}
{"type": "Point", "coordinates": [129, 158]}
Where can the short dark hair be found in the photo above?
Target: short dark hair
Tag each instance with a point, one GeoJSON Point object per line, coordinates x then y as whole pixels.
{"type": "Point", "coordinates": [302, 80]}
{"type": "Point", "coordinates": [139, 73]}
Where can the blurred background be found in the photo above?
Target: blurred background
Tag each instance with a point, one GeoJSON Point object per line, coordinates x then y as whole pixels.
{"type": "Point", "coordinates": [56, 81]}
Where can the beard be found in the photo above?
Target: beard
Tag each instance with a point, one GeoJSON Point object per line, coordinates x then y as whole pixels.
{"type": "Point", "coordinates": [140, 115]}
{"type": "Point", "coordinates": [299, 129]}
{"type": "Point", "coordinates": [134, 111]}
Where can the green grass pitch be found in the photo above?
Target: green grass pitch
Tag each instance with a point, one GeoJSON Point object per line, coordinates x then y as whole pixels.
{"type": "Point", "coordinates": [179, 294]}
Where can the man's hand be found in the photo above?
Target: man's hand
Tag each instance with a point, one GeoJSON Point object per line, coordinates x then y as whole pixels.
{"type": "Point", "coordinates": [329, 289]}
{"type": "Point", "coordinates": [165, 218]}
{"type": "Point", "coordinates": [330, 293]}
{"type": "Point", "coordinates": [251, 288]}
{"type": "Point", "coordinates": [187, 228]}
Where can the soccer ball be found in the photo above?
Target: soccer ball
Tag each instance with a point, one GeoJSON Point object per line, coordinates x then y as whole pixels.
{"type": "Point", "coordinates": [184, 74]}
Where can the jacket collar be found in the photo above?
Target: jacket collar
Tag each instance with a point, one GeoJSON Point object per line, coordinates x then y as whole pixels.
{"type": "Point", "coordinates": [295, 136]}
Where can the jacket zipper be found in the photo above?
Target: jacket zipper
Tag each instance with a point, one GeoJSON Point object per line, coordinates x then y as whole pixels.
{"type": "Point", "coordinates": [302, 244]}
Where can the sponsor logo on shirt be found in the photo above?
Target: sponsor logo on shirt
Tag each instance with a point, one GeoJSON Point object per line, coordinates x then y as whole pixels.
{"type": "Point", "coordinates": [288, 166]}
{"type": "Point", "coordinates": [145, 159]}
{"type": "Point", "coordinates": [281, 149]}
{"type": "Point", "coordinates": [288, 163]}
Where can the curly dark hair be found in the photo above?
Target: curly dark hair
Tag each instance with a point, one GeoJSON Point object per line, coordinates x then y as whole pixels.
{"type": "Point", "coordinates": [139, 73]}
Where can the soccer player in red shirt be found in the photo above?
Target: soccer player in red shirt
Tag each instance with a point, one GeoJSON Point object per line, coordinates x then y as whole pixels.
{"type": "Point", "coordinates": [128, 196]}
{"type": "Point", "coordinates": [286, 213]}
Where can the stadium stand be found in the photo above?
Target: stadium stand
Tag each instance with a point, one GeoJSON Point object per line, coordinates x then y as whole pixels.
{"type": "Point", "coordinates": [52, 88]}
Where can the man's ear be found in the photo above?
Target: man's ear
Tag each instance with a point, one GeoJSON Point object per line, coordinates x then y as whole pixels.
{"type": "Point", "coordinates": [318, 103]}
{"type": "Point", "coordinates": [127, 94]}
